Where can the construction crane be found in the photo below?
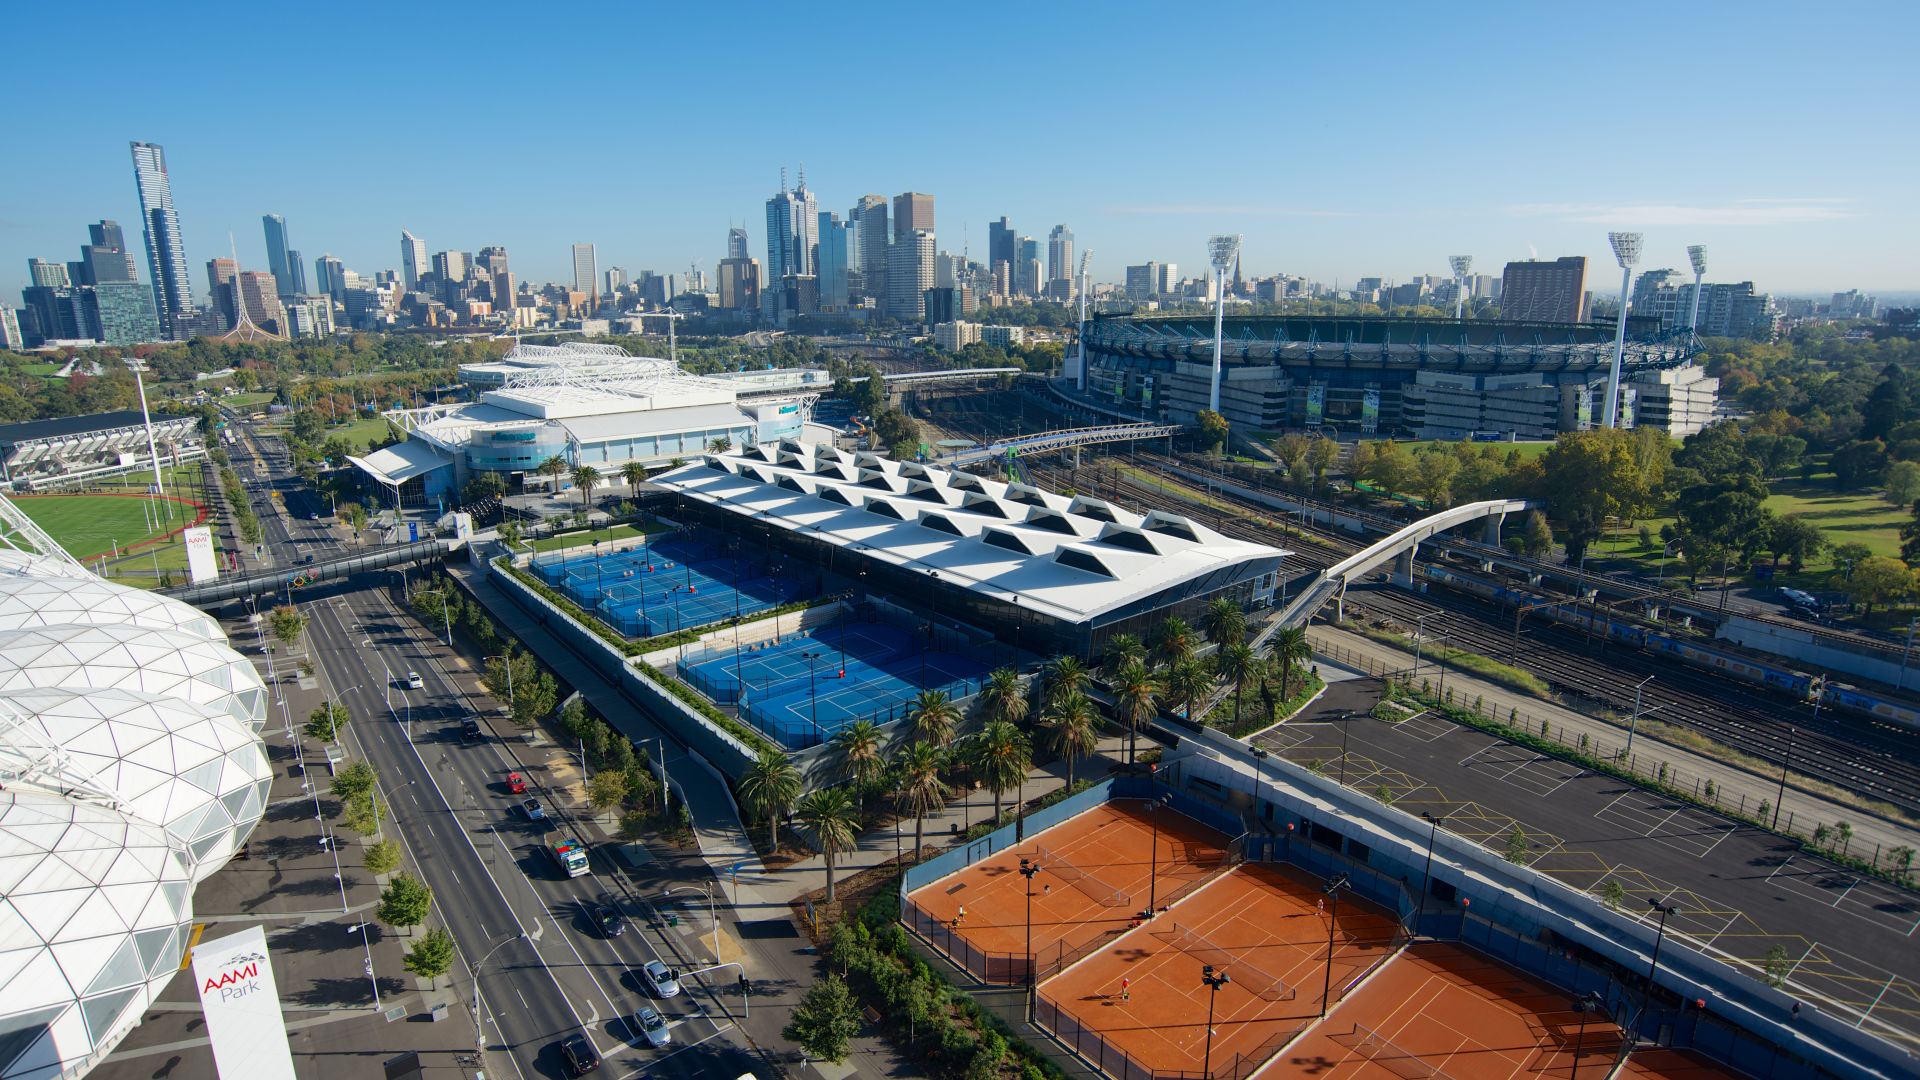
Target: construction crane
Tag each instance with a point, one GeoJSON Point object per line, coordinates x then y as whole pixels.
{"type": "Point", "coordinates": [1085, 255]}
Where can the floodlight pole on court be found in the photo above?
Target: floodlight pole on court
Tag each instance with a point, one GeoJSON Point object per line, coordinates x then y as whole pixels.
{"type": "Point", "coordinates": [813, 703]}
{"type": "Point", "coordinates": [1346, 729]}
{"type": "Point", "coordinates": [1027, 870]}
{"type": "Point", "coordinates": [1653, 968]}
{"type": "Point", "coordinates": [1332, 889]}
{"type": "Point", "coordinates": [1213, 983]}
{"type": "Point", "coordinates": [1626, 250]}
{"type": "Point", "coordinates": [1582, 1005]}
{"type": "Point", "coordinates": [1153, 864]}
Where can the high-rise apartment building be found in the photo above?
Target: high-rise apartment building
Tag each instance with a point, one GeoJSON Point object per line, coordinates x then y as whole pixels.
{"type": "Point", "coordinates": [586, 271]}
{"type": "Point", "coordinates": [1060, 263]}
{"type": "Point", "coordinates": [616, 279]}
{"type": "Point", "coordinates": [166, 253]}
{"type": "Point", "coordinates": [413, 259]}
{"type": "Point", "coordinates": [48, 275]}
{"type": "Point", "coordinates": [296, 283]}
{"type": "Point", "coordinates": [793, 230]}
{"type": "Point", "coordinates": [256, 293]}
{"type": "Point", "coordinates": [869, 216]}
{"type": "Point", "coordinates": [10, 335]}
{"type": "Point", "coordinates": [122, 313]}
{"type": "Point", "coordinates": [737, 244]}
{"type": "Point", "coordinates": [1543, 291]}
{"type": "Point", "coordinates": [220, 274]}
{"type": "Point", "coordinates": [910, 274]}
{"type": "Point", "coordinates": [275, 227]}
{"type": "Point", "coordinates": [830, 272]}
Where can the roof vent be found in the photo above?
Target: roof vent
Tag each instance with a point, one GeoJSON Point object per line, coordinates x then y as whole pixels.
{"type": "Point", "coordinates": [1170, 525]}
{"type": "Point", "coordinates": [1002, 539]}
{"type": "Point", "coordinates": [1082, 560]}
{"type": "Point", "coordinates": [1051, 521]}
{"type": "Point", "coordinates": [984, 504]}
{"type": "Point", "coordinates": [940, 523]}
{"type": "Point", "coordinates": [886, 509]}
{"type": "Point", "coordinates": [1097, 509]}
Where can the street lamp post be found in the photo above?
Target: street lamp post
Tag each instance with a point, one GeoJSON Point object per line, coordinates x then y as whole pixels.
{"type": "Point", "coordinates": [1332, 889]}
{"type": "Point", "coordinates": [1626, 249]}
{"type": "Point", "coordinates": [1426, 876]}
{"type": "Point", "coordinates": [713, 914]}
{"type": "Point", "coordinates": [1346, 729]}
{"type": "Point", "coordinates": [1419, 638]}
{"type": "Point", "coordinates": [479, 1022]}
{"type": "Point", "coordinates": [1029, 868]}
{"type": "Point", "coordinates": [1260, 756]}
{"type": "Point", "coordinates": [1213, 983]}
{"type": "Point", "coordinates": [1633, 725]}
{"type": "Point", "coordinates": [1780, 796]}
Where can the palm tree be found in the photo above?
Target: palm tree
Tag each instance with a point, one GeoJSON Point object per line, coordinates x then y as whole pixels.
{"type": "Point", "coordinates": [1069, 722]}
{"type": "Point", "coordinates": [934, 717]}
{"type": "Point", "coordinates": [509, 532]}
{"type": "Point", "coordinates": [555, 467]}
{"type": "Point", "coordinates": [1122, 649]}
{"type": "Point", "coordinates": [834, 821]}
{"type": "Point", "coordinates": [1001, 756]}
{"type": "Point", "coordinates": [584, 477]}
{"type": "Point", "coordinates": [1290, 648]}
{"type": "Point", "coordinates": [1173, 642]}
{"type": "Point", "coordinates": [1065, 676]}
{"type": "Point", "coordinates": [634, 474]}
{"type": "Point", "coordinates": [1237, 662]}
{"type": "Point", "coordinates": [1224, 621]}
{"type": "Point", "coordinates": [769, 788]}
{"type": "Point", "coordinates": [1134, 693]}
{"type": "Point", "coordinates": [1188, 681]}
{"type": "Point", "coordinates": [719, 444]}
{"type": "Point", "coordinates": [858, 745]}
{"type": "Point", "coordinates": [1003, 697]}
{"type": "Point", "coordinates": [921, 790]}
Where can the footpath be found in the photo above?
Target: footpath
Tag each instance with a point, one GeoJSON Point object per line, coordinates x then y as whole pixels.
{"type": "Point", "coordinates": [1687, 770]}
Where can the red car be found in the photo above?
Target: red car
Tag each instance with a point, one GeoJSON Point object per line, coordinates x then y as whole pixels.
{"type": "Point", "coordinates": [516, 783]}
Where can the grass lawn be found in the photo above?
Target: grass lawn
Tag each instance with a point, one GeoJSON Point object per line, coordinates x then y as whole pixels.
{"type": "Point", "coordinates": [360, 432]}
{"type": "Point", "coordinates": [578, 539]}
{"type": "Point", "coordinates": [1528, 450]}
{"type": "Point", "coordinates": [245, 401]}
{"type": "Point", "coordinates": [92, 525]}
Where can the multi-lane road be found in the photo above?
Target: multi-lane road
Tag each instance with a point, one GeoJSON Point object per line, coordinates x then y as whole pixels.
{"type": "Point", "coordinates": [545, 971]}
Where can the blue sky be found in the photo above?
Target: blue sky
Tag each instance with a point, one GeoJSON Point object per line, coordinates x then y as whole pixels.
{"type": "Point", "coordinates": [1340, 140]}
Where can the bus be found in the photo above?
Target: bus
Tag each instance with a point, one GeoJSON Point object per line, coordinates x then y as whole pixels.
{"type": "Point", "coordinates": [571, 857]}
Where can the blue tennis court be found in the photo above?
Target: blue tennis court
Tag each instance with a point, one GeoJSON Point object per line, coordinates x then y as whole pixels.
{"type": "Point", "coordinates": [804, 689]}
{"type": "Point", "coordinates": [673, 583]}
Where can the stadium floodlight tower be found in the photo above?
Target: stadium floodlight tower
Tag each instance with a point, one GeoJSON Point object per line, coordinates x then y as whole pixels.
{"type": "Point", "coordinates": [1460, 264]}
{"type": "Point", "coordinates": [1626, 248]}
{"type": "Point", "coordinates": [1697, 253]}
{"type": "Point", "coordinates": [1081, 335]}
{"type": "Point", "coordinates": [1222, 250]}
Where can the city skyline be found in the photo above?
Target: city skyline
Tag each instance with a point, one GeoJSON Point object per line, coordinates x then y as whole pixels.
{"type": "Point", "coordinates": [1493, 162]}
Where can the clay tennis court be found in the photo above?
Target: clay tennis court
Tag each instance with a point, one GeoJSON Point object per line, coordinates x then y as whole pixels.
{"type": "Point", "coordinates": [1441, 1010]}
{"type": "Point", "coordinates": [1095, 877]}
{"type": "Point", "coordinates": [1263, 925]}
{"type": "Point", "coordinates": [1662, 1063]}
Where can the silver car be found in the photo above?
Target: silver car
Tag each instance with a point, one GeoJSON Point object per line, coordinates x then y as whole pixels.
{"type": "Point", "coordinates": [660, 979]}
{"type": "Point", "coordinates": [652, 1025]}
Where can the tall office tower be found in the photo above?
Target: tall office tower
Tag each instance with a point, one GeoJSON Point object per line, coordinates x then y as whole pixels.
{"type": "Point", "coordinates": [504, 297]}
{"type": "Point", "coordinates": [1060, 263]}
{"type": "Point", "coordinates": [1542, 291]}
{"type": "Point", "coordinates": [737, 244]}
{"type": "Point", "coordinates": [739, 282]}
{"type": "Point", "coordinates": [10, 335]}
{"type": "Point", "coordinates": [912, 213]}
{"type": "Point", "coordinates": [793, 229]}
{"type": "Point", "coordinates": [450, 267]}
{"type": "Point", "coordinates": [836, 238]}
{"type": "Point", "coordinates": [256, 293]}
{"type": "Point", "coordinates": [107, 253]}
{"type": "Point", "coordinates": [1026, 262]}
{"type": "Point", "coordinates": [1002, 247]}
{"type": "Point", "coordinates": [616, 278]}
{"type": "Point", "coordinates": [49, 275]}
{"type": "Point", "coordinates": [330, 277]}
{"type": "Point", "coordinates": [413, 259]}
{"type": "Point", "coordinates": [276, 230]}
{"type": "Point", "coordinates": [166, 254]}
{"type": "Point", "coordinates": [220, 274]}
{"type": "Point", "coordinates": [586, 271]}
{"type": "Point", "coordinates": [870, 218]}
{"type": "Point", "coordinates": [296, 283]}
{"type": "Point", "coordinates": [910, 275]}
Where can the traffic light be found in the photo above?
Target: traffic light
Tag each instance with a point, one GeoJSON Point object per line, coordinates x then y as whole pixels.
{"type": "Point", "coordinates": [745, 986]}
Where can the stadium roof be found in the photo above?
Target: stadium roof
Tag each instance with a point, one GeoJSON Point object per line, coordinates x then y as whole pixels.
{"type": "Point", "coordinates": [27, 602]}
{"type": "Point", "coordinates": [164, 662]}
{"type": "Point", "coordinates": [60, 427]}
{"type": "Point", "coordinates": [1071, 558]}
{"type": "Point", "coordinates": [401, 462]}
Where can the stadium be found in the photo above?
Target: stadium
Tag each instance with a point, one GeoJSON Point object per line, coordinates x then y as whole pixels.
{"type": "Point", "coordinates": [1418, 378]}
{"type": "Point", "coordinates": [47, 454]}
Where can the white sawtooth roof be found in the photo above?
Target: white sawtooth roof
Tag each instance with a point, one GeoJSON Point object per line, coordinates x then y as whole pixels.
{"type": "Point", "coordinates": [29, 601]}
{"type": "Point", "coordinates": [163, 662]}
{"type": "Point", "coordinates": [1072, 558]}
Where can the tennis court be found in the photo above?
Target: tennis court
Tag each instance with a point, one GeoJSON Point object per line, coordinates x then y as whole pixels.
{"type": "Point", "coordinates": [1098, 870]}
{"type": "Point", "coordinates": [768, 667]}
{"type": "Point", "coordinates": [675, 582]}
{"type": "Point", "coordinates": [1444, 1011]}
{"type": "Point", "coordinates": [1139, 1007]}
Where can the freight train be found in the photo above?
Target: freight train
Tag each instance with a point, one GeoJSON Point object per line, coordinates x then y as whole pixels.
{"type": "Point", "coordinates": [1796, 684]}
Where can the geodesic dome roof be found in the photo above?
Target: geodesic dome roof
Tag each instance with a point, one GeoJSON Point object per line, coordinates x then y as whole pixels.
{"type": "Point", "coordinates": [30, 601]}
{"type": "Point", "coordinates": [95, 908]}
{"type": "Point", "coordinates": [166, 663]}
{"type": "Point", "coordinates": [15, 561]}
{"type": "Point", "coordinates": [192, 769]}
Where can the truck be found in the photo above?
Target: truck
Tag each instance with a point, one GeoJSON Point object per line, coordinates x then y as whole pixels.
{"type": "Point", "coordinates": [571, 856]}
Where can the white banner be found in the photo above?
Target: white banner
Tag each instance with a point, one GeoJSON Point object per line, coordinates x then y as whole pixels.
{"type": "Point", "coordinates": [202, 564]}
{"type": "Point", "coordinates": [242, 1007]}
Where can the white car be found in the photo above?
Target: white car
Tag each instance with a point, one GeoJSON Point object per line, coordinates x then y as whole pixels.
{"type": "Point", "coordinates": [415, 682]}
{"type": "Point", "coordinates": [660, 979]}
{"type": "Point", "coordinates": [652, 1025]}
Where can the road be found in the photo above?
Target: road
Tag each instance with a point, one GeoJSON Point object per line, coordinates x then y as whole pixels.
{"type": "Point", "coordinates": [495, 886]}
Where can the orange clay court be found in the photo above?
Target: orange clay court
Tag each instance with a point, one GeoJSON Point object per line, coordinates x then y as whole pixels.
{"type": "Point", "coordinates": [1261, 924]}
{"type": "Point", "coordinates": [1111, 845]}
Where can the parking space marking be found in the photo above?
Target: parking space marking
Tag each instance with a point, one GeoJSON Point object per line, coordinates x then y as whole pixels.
{"type": "Point", "coordinates": [1864, 900]}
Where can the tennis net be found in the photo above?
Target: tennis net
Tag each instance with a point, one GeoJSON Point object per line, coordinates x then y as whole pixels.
{"type": "Point", "coordinates": [1099, 891]}
{"type": "Point", "coordinates": [1254, 979]}
{"type": "Point", "coordinates": [1385, 1053]}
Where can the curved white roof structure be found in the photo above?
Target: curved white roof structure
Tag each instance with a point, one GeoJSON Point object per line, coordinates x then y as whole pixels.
{"type": "Point", "coordinates": [15, 561]}
{"type": "Point", "coordinates": [192, 769]}
{"type": "Point", "coordinates": [166, 663]}
{"type": "Point", "coordinates": [27, 602]}
{"type": "Point", "coordinates": [95, 907]}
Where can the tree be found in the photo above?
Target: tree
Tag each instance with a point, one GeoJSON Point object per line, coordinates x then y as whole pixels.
{"type": "Point", "coordinates": [1290, 649]}
{"type": "Point", "coordinates": [355, 780]}
{"type": "Point", "coordinates": [719, 444]}
{"type": "Point", "coordinates": [1223, 621]}
{"type": "Point", "coordinates": [1121, 650]}
{"type": "Point", "coordinates": [1001, 758]}
{"type": "Point", "coordinates": [1291, 450]}
{"type": "Point", "coordinates": [768, 789]}
{"type": "Point", "coordinates": [286, 624]}
{"type": "Point", "coordinates": [1590, 476]}
{"type": "Point", "coordinates": [382, 857]}
{"type": "Point", "coordinates": [584, 478]}
{"type": "Point", "coordinates": [1321, 454]}
{"type": "Point", "coordinates": [515, 677]}
{"type": "Point", "coordinates": [825, 1021]}
{"type": "Point", "coordinates": [405, 902]}
{"type": "Point", "coordinates": [1188, 681]}
{"type": "Point", "coordinates": [608, 788]}
{"type": "Point", "coordinates": [934, 717]}
{"type": "Point", "coordinates": [1901, 859]}
{"type": "Point", "coordinates": [921, 790]}
{"type": "Point", "coordinates": [1536, 536]}
{"type": "Point", "coordinates": [1213, 430]}
{"type": "Point", "coordinates": [1173, 641]}
{"type": "Point", "coordinates": [1795, 538]}
{"type": "Point", "coordinates": [509, 532]}
{"type": "Point", "coordinates": [1433, 478]}
{"type": "Point", "coordinates": [355, 516]}
{"type": "Point", "coordinates": [1518, 850]}
{"type": "Point", "coordinates": [1237, 664]}
{"type": "Point", "coordinates": [554, 468]}
{"type": "Point", "coordinates": [325, 722]}
{"type": "Point", "coordinates": [1069, 724]}
{"type": "Point", "coordinates": [834, 822]}
{"type": "Point", "coordinates": [1135, 697]}
{"type": "Point", "coordinates": [1065, 676]}
{"type": "Point", "coordinates": [634, 473]}
{"type": "Point", "coordinates": [431, 956]}
{"type": "Point", "coordinates": [1855, 462]}
{"type": "Point", "coordinates": [858, 747]}
{"type": "Point", "coordinates": [1902, 479]}
{"type": "Point", "coordinates": [1878, 579]}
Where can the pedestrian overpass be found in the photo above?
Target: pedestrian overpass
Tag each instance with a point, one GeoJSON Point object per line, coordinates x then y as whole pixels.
{"type": "Point", "coordinates": [221, 590]}
{"type": "Point", "coordinates": [1062, 439]}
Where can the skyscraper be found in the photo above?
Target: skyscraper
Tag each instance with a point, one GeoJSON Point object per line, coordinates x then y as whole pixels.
{"type": "Point", "coordinates": [330, 277]}
{"type": "Point", "coordinates": [296, 281]}
{"type": "Point", "coordinates": [220, 274]}
{"type": "Point", "coordinates": [1060, 263]}
{"type": "Point", "coordinates": [413, 259]}
{"type": "Point", "coordinates": [835, 239]}
{"type": "Point", "coordinates": [50, 275]}
{"type": "Point", "coordinates": [107, 257]}
{"type": "Point", "coordinates": [586, 272]}
{"type": "Point", "coordinates": [910, 274]}
{"type": "Point", "coordinates": [869, 216]}
{"type": "Point", "coordinates": [276, 230]}
{"type": "Point", "coordinates": [793, 229]}
{"type": "Point", "coordinates": [1027, 266]}
{"type": "Point", "coordinates": [166, 253]}
{"type": "Point", "coordinates": [912, 213]}
{"type": "Point", "coordinates": [1000, 248]}
{"type": "Point", "coordinates": [1541, 291]}
{"type": "Point", "coordinates": [737, 244]}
